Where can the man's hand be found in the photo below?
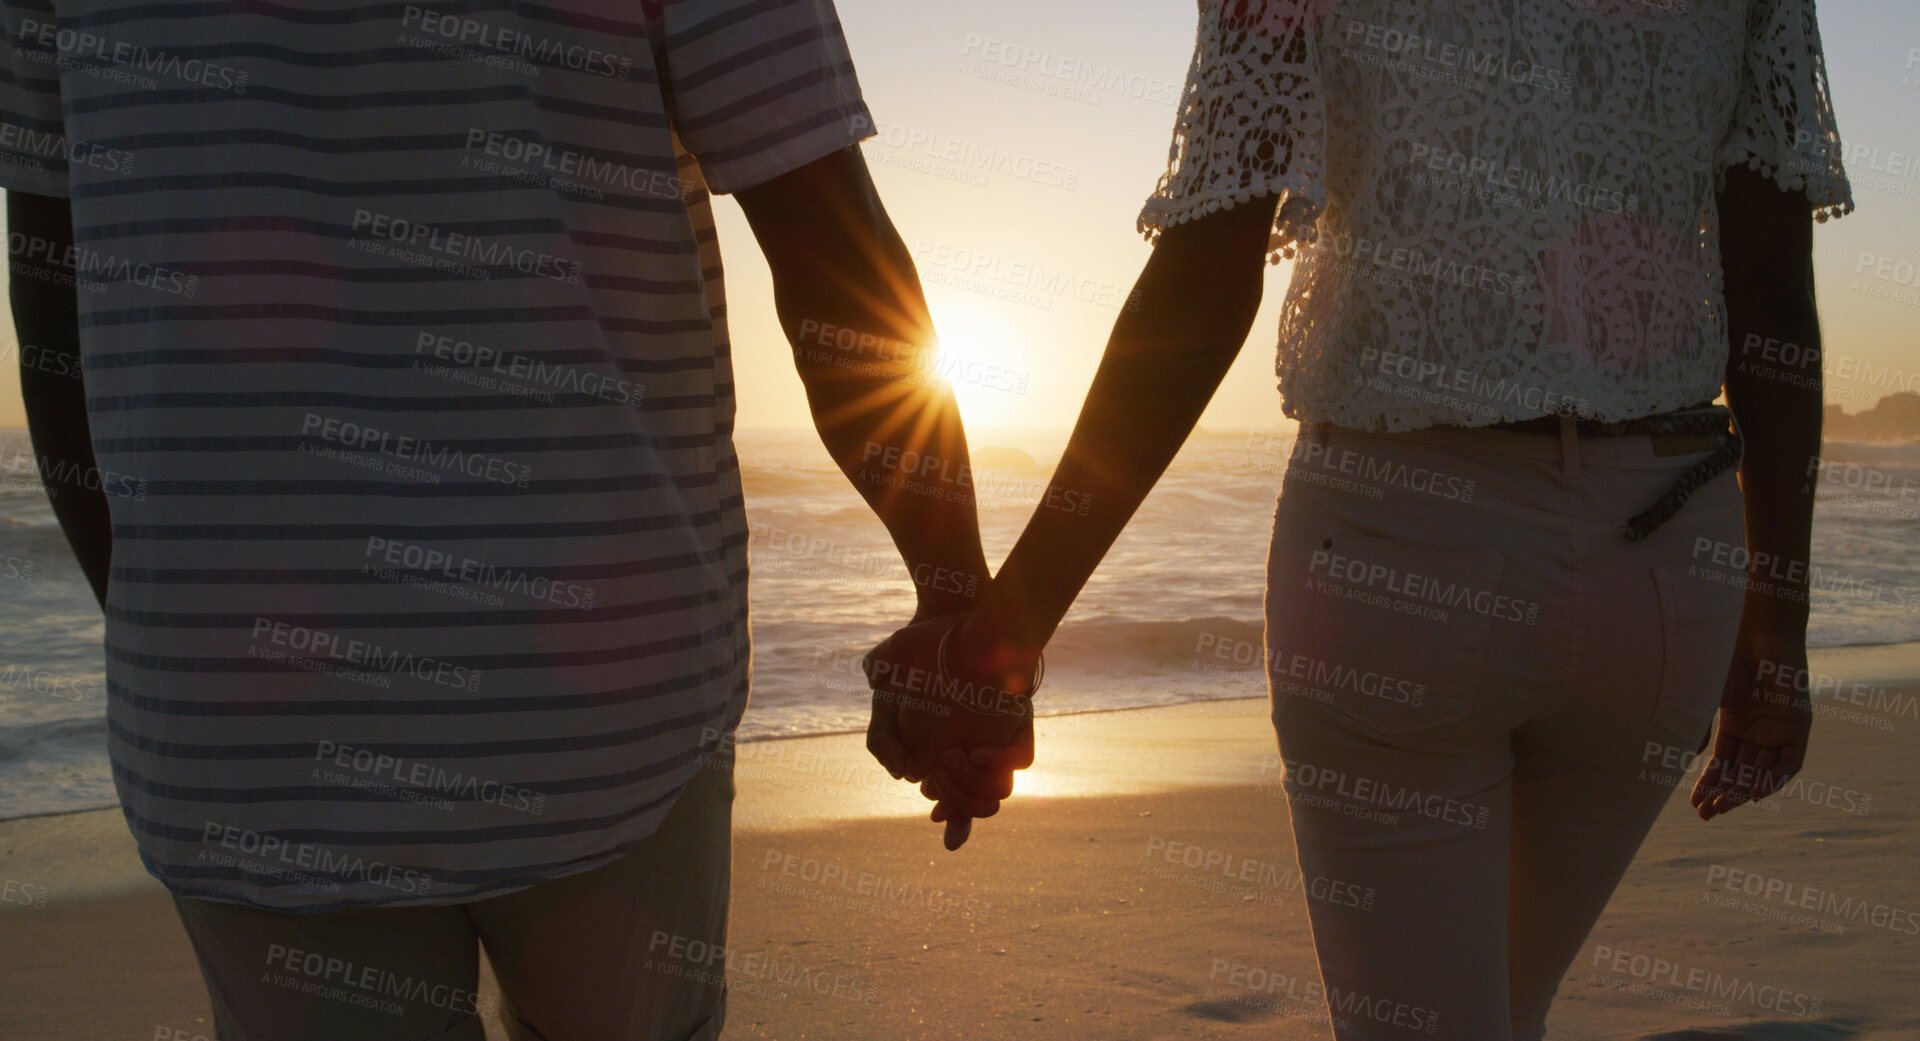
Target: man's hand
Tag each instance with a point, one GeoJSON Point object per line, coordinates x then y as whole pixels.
{"type": "Point", "coordinates": [961, 739]}
{"type": "Point", "coordinates": [1760, 738]}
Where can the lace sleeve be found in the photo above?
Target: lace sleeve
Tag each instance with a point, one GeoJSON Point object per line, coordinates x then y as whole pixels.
{"type": "Point", "coordinates": [1251, 122]}
{"type": "Point", "coordinates": [1783, 123]}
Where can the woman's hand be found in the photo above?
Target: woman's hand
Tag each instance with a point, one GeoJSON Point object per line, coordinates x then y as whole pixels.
{"type": "Point", "coordinates": [1760, 738]}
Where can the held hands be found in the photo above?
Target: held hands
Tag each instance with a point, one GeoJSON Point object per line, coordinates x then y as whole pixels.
{"type": "Point", "coordinates": [958, 731]}
{"type": "Point", "coordinates": [1760, 739]}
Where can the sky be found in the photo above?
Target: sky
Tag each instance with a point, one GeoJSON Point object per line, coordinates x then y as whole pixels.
{"type": "Point", "coordinates": [1025, 268]}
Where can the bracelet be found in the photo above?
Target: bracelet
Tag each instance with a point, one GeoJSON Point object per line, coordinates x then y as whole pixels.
{"type": "Point", "coordinates": [944, 680]}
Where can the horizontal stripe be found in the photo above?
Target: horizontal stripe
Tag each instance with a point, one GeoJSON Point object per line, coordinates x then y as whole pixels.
{"type": "Point", "coordinates": [312, 576]}
{"type": "Point", "coordinates": [335, 315]}
{"type": "Point", "coordinates": [464, 751]}
{"type": "Point", "coordinates": [402, 707]}
{"type": "Point", "coordinates": [415, 532]}
{"type": "Point", "coordinates": [346, 793]}
{"type": "Point", "coordinates": [448, 620]}
{"type": "Point", "coordinates": [578, 443]}
{"type": "Point", "coordinates": [413, 101]}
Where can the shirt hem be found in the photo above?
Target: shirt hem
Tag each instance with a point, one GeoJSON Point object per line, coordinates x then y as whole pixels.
{"type": "Point", "coordinates": [1294, 220]}
{"type": "Point", "coordinates": [853, 127]}
{"type": "Point", "coordinates": [35, 182]}
{"type": "Point", "coordinates": [1404, 420]}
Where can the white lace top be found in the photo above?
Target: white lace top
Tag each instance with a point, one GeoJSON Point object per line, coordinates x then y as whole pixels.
{"type": "Point", "coordinates": [1499, 208]}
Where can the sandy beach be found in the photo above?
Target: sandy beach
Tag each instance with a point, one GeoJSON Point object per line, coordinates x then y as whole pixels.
{"type": "Point", "coordinates": [1141, 886]}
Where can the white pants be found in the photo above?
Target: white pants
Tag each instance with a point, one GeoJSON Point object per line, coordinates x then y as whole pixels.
{"type": "Point", "coordinates": [1475, 682]}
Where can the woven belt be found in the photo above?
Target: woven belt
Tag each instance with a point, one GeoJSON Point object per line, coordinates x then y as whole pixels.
{"type": "Point", "coordinates": [1699, 419]}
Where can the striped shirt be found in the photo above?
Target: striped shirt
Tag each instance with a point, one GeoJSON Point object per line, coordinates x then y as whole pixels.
{"type": "Point", "coordinates": [404, 322]}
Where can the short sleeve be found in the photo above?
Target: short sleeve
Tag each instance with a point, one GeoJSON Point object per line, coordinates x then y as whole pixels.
{"type": "Point", "coordinates": [757, 88]}
{"type": "Point", "coordinates": [1783, 123]}
{"type": "Point", "coordinates": [1251, 122]}
{"type": "Point", "coordinates": [33, 139]}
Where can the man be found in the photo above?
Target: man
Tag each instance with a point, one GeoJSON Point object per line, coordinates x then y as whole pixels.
{"type": "Point", "coordinates": [428, 623]}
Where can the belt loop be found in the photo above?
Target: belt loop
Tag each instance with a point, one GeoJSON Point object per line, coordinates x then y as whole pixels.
{"type": "Point", "coordinates": [1569, 448]}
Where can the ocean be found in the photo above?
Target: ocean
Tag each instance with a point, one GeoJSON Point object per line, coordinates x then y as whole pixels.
{"type": "Point", "coordinates": [1172, 615]}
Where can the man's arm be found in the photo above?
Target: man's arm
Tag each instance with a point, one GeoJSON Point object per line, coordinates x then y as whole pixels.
{"type": "Point", "coordinates": [46, 322]}
{"type": "Point", "coordinates": [851, 304]}
{"type": "Point", "coordinates": [1766, 250]}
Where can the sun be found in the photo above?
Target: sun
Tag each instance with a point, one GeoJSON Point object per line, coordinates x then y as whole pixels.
{"type": "Point", "coordinates": [986, 361]}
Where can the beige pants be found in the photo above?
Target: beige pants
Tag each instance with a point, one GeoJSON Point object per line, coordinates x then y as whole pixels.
{"type": "Point", "coordinates": [630, 951]}
{"type": "Point", "coordinates": [1480, 690]}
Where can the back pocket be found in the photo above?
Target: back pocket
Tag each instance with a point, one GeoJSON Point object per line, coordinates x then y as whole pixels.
{"type": "Point", "coordinates": [1397, 631]}
{"type": "Point", "coordinates": [1699, 622]}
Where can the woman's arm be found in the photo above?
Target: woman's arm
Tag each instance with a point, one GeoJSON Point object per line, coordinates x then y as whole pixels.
{"type": "Point", "coordinates": [1194, 304]}
{"type": "Point", "coordinates": [1774, 388]}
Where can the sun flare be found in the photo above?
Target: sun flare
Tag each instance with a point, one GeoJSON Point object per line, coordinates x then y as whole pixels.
{"type": "Point", "coordinates": [987, 363]}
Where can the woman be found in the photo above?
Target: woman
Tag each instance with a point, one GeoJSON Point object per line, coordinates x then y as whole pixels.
{"type": "Point", "coordinates": [1500, 585]}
